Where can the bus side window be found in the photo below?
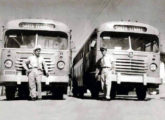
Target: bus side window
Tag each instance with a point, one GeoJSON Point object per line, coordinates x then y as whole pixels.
{"type": "Point", "coordinates": [92, 41]}
{"type": "Point", "coordinates": [151, 47]}
{"type": "Point", "coordinates": [155, 47]}
{"type": "Point", "coordinates": [63, 44]}
{"type": "Point", "coordinates": [13, 41]}
{"type": "Point", "coordinates": [55, 44]}
{"type": "Point", "coordinates": [148, 47]}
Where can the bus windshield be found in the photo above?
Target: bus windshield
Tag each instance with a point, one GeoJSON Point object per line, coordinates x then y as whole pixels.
{"type": "Point", "coordinates": [148, 43]}
{"type": "Point", "coordinates": [28, 39]}
{"type": "Point", "coordinates": [125, 41]}
{"type": "Point", "coordinates": [115, 41]}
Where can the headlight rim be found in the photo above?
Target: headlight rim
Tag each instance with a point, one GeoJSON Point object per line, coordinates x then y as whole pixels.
{"type": "Point", "coordinates": [7, 61]}
{"type": "Point", "coordinates": [155, 67]}
{"type": "Point", "coordinates": [60, 68]}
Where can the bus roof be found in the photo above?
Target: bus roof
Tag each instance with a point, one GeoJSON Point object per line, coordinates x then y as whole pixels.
{"type": "Point", "coordinates": [37, 24]}
{"type": "Point", "coordinates": [126, 26]}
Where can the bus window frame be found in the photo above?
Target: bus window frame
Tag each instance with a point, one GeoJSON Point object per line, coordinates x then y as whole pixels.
{"type": "Point", "coordinates": [100, 41]}
{"type": "Point", "coordinates": [36, 42]}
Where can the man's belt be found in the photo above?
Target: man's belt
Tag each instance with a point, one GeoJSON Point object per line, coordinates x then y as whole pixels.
{"type": "Point", "coordinates": [35, 68]}
{"type": "Point", "coordinates": [105, 67]}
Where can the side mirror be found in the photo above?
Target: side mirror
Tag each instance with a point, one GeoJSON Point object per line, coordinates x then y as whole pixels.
{"type": "Point", "coordinates": [70, 34]}
{"type": "Point", "coordinates": [3, 28]}
{"type": "Point", "coordinates": [70, 37]}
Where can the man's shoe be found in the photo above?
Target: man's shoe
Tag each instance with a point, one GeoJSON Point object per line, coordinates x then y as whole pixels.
{"type": "Point", "coordinates": [107, 98]}
{"type": "Point", "coordinates": [32, 99]}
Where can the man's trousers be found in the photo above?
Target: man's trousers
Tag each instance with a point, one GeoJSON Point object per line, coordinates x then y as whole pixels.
{"type": "Point", "coordinates": [35, 76]}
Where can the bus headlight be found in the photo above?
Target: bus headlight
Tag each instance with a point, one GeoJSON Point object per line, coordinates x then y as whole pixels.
{"type": "Point", "coordinates": [153, 67]}
{"type": "Point", "coordinates": [60, 65]}
{"type": "Point", "coordinates": [8, 63]}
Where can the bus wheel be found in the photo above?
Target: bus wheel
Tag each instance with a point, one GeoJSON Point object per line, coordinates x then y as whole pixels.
{"type": "Point", "coordinates": [58, 94]}
{"type": "Point", "coordinates": [95, 89]}
{"type": "Point", "coordinates": [141, 92]}
{"type": "Point", "coordinates": [23, 92]}
{"type": "Point", "coordinates": [81, 92]}
{"type": "Point", "coordinates": [75, 90]}
{"type": "Point", "coordinates": [94, 93]}
{"type": "Point", "coordinates": [10, 92]}
{"type": "Point", "coordinates": [113, 91]}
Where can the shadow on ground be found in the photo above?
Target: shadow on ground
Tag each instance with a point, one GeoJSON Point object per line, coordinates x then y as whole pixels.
{"type": "Point", "coordinates": [47, 97]}
{"type": "Point", "coordinates": [118, 97]}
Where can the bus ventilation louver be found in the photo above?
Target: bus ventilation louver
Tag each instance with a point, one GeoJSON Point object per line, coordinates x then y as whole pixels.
{"type": "Point", "coordinates": [130, 66]}
{"type": "Point", "coordinates": [50, 64]}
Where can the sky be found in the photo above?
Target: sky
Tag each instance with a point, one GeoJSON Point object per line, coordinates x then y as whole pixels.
{"type": "Point", "coordinates": [82, 16]}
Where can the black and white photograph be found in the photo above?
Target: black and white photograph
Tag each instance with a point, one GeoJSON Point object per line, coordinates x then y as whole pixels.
{"type": "Point", "coordinates": [82, 59]}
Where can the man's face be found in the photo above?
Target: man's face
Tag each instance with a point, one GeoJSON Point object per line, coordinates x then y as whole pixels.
{"type": "Point", "coordinates": [37, 52]}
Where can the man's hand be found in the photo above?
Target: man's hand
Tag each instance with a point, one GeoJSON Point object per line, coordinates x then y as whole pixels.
{"type": "Point", "coordinates": [97, 73]}
{"type": "Point", "coordinates": [47, 74]}
{"type": "Point", "coordinates": [28, 71]}
{"type": "Point", "coordinates": [102, 78]}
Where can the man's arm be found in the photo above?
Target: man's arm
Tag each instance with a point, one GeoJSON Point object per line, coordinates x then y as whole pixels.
{"type": "Point", "coordinates": [45, 67]}
{"type": "Point", "coordinates": [25, 63]}
{"type": "Point", "coordinates": [97, 68]}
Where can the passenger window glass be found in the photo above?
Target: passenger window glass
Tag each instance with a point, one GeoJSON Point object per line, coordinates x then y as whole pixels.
{"type": "Point", "coordinates": [115, 41]}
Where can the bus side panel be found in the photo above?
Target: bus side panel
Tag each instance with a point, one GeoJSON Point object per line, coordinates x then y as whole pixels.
{"type": "Point", "coordinates": [78, 71]}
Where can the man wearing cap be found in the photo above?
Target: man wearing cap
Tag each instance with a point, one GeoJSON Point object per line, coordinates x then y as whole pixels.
{"type": "Point", "coordinates": [34, 66]}
{"type": "Point", "coordinates": [105, 70]}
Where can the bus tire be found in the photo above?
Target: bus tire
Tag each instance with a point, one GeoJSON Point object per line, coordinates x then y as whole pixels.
{"type": "Point", "coordinates": [23, 92]}
{"type": "Point", "coordinates": [113, 91]}
{"type": "Point", "coordinates": [75, 88]}
{"type": "Point", "coordinates": [141, 92]}
{"type": "Point", "coordinates": [95, 89]}
{"type": "Point", "coordinates": [58, 93]}
{"type": "Point", "coordinates": [10, 92]}
{"type": "Point", "coordinates": [75, 94]}
{"type": "Point", "coordinates": [81, 94]}
{"type": "Point", "coordinates": [95, 94]}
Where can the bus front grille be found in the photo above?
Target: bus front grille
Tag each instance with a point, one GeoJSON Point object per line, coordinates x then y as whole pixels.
{"type": "Point", "coordinates": [130, 66]}
{"type": "Point", "coordinates": [48, 61]}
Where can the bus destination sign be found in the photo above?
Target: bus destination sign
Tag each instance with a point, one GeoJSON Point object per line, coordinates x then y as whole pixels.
{"type": "Point", "coordinates": [130, 28]}
{"type": "Point", "coordinates": [36, 25]}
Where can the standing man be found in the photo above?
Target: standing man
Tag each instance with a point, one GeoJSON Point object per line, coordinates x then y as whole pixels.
{"type": "Point", "coordinates": [34, 66]}
{"type": "Point", "coordinates": [105, 66]}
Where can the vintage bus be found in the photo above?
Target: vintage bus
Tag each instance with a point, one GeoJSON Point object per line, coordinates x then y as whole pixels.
{"type": "Point", "coordinates": [135, 57]}
{"type": "Point", "coordinates": [19, 39]}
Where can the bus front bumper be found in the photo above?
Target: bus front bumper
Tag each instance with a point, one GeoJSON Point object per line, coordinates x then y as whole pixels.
{"type": "Point", "coordinates": [18, 79]}
{"type": "Point", "coordinates": [119, 78]}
